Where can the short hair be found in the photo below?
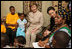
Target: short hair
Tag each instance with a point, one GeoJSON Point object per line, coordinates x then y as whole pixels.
{"type": "Point", "coordinates": [11, 7]}
{"type": "Point", "coordinates": [62, 38]}
{"type": "Point", "coordinates": [21, 39]}
{"type": "Point", "coordinates": [50, 8]}
{"type": "Point", "coordinates": [20, 14]}
{"type": "Point", "coordinates": [33, 4]}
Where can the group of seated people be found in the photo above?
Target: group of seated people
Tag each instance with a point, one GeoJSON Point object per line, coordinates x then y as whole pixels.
{"type": "Point", "coordinates": [14, 34]}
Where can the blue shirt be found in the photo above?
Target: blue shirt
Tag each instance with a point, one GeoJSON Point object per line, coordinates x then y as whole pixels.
{"type": "Point", "coordinates": [21, 23]}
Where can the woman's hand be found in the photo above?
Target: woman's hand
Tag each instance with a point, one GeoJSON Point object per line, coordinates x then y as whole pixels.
{"type": "Point", "coordinates": [34, 30]}
{"type": "Point", "coordinates": [41, 44]}
{"type": "Point", "coordinates": [46, 33]}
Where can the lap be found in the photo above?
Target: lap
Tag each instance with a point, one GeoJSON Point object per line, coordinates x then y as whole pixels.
{"type": "Point", "coordinates": [30, 29]}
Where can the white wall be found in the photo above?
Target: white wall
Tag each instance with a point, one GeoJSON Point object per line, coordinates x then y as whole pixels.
{"type": "Point", "coordinates": [6, 4]}
{"type": "Point", "coordinates": [45, 5]}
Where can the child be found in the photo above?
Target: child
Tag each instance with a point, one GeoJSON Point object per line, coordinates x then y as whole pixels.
{"type": "Point", "coordinates": [21, 23]}
{"type": "Point", "coordinates": [11, 20]}
{"type": "Point", "coordinates": [19, 42]}
{"type": "Point", "coordinates": [3, 28]}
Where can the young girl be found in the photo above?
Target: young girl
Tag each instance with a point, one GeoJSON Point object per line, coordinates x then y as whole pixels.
{"type": "Point", "coordinates": [21, 23]}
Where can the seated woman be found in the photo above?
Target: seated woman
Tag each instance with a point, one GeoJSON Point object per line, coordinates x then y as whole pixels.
{"type": "Point", "coordinates": [61, 26]}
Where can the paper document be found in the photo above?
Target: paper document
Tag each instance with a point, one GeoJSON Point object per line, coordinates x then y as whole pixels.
{"type": "Point", "coordinates": [35, 45]}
